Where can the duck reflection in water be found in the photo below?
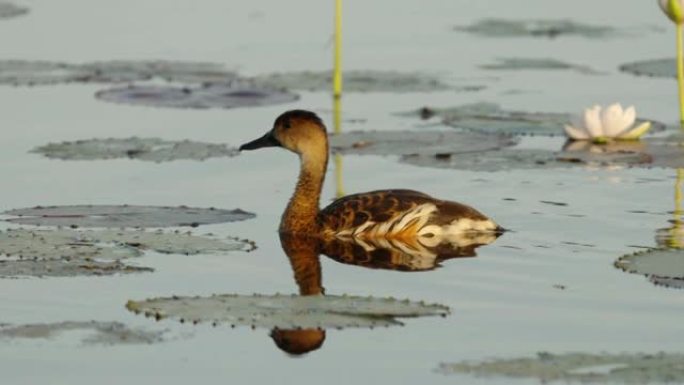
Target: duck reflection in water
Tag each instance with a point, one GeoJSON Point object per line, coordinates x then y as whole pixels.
{"type": "Point", "coordinates": [389, 229]}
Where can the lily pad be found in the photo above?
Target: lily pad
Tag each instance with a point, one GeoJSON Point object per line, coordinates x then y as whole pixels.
{"type": "Point", "coordinates": [417, 142]}
{"type": "Point", "coordinates": [124, 216]}
{"type": "Point", "coordinates": [122, 71]}
{"type": "Point", "coordinates": [9, 10]}
{"type": "Point", "coordinates": [663, 68]}
{"type": "Point", "coordinates": [635, 368]}
{"type": "Point", "coordinates": [210, 95]}
{"type": "Point", "coordinates": [513, 64]}
{"type": "Point", "coordinates": [29, 73]}
{"type": "Point", "coordinates": [286, 311]}
{"type": "Point", "coordinates": [661, 266]}
{"type": "Point", "coordinates": [544, 28]}
{"type": "Point", "coordinates": [491, 118]}
{"type": "Point", "coordinates": [147, 149]}
{"type": "Point", "coordinates": [361, 81]}
{"type": "Point", "coordinates": [99, 333]}
{"type": "Point", "coordinates": [65, 268]}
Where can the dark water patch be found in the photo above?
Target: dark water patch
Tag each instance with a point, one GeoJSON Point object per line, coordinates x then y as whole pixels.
{"type": "Point", "coordinates": [552, 203]}
{"type": "Point", "coordinates": [577, 244]}
{"type": "Point", "coordinates": [440, 144]}
{"type": "Point", "coordinates": [99, 332]}
{"type": "Point", "coordinates": [661, 264]}
{"type": "Point", "coordinates": [287, 311]}
{"type": "Point", "coordinates": [10, 10]}
{"type": "Point", "coordinates": [113, 216]}
{"type": "Point", "coordinates": [540, 64]}
{"type": "Point", "coordinates": [662, 68]}
{"type": "Point", "coordinates": [363, 81]}
{"type": "Point", "coordinates": [209, 95]}
{"type": "Point", "coordinates": [625, 368]}
{"type": "Point", "coordinates": [146, 149]}
{"type": "Point", "coordinates": [537, 28]}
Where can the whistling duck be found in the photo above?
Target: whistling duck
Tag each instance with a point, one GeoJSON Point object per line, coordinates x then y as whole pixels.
{"type": "Point", "coordinates": [377, 214]}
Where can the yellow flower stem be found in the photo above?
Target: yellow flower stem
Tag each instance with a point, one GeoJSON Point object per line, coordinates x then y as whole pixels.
{"type": "Point", "coordinates": [680, 72]}
{"type": "Point", "coordinates": [337, 60]}
{"type": "Point", "coordinates": [677, 220]}
{"type": "Point", "coordinates": [337, 124]}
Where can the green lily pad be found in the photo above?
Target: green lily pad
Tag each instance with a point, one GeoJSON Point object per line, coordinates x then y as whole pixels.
{"type": "Point", "coordinates": [654, 263]}
{"type": "Point", "coordinates": [417, 142]}
{"type": "Point", "coordinates": [491, 118]}
{"type": "Point", "coordinates": [286, 311]}
{"type": "Point", "coordinates": [9, 10]}
{"type": "Point", "coordinates": [147, 149]}
{"type": "Point", "coordinates": [361, 81]}
{"type": "Point", "coordinates": [663, 68]}
{"type": "Point", "coordinates": [634, 368]}
{"type": "Point", "coordinates": [123, 216]}
{"type": "Point", "coordinates": [210, 95]}
{"type": "Point", "coordinates": [543, 28]}
{"type": "Point", "coordinates": [514, 64]}
{"type": "Point", "coordinates": [99, 332]}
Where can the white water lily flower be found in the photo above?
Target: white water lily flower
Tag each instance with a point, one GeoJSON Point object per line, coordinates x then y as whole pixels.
{"type": "Point", "coordinates": [674, 9]}
{"type": "Point", "coordinates": [600, 125]}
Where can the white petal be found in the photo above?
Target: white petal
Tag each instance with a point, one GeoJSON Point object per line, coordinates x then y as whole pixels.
{"type": "Point", "coordinates": [611, 120]}
{"type": "Point", "coordinates": [592, 121]}
{"type": "Point", "coordinates": [636, 132]}
{"type": "Point", "coordinates": [575, 133]}
{"type": "Point", "coordinates": [628, 119]}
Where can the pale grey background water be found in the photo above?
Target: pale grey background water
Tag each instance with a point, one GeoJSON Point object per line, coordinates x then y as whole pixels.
{"type": "Point", "coordinates": [503, 301]}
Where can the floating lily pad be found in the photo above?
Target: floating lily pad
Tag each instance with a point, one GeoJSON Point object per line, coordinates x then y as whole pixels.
{"type": "Point", "coordinates": [286, 312]}
{"type": "Point", "coordinates": [99, 333]}
{"type": "Point", "coordinates": [10, 10]}
{"type": "Point", "coordinates": [512, 64]}
{"type": "Point", "coordinates": [147, 149]}
{"type": "Point", "coordinates": [124, 216]}
{"type": "Point", "coordinates": [417, 142]}
{"type": "Point", "coordinates": [545, 28]}
{"type": "Point", "coordinates": [361, 81]}
{"type": "Point", "coordinates": [64, 253]}
{"type": "Point", "coordinates": [661, 266]}
{"type": "Point", "coordinates": [210, 95]}
{"type": "Point", "coordinates": [625, 368]}
{"type": "Point", "coordinates": [21, 72]}
{"type": "Point", "coordinates": [174, 71]}
{"type": "Point", "coordinates": [664, 68]}
{"type": "Point", "coordinates": [490, 117]}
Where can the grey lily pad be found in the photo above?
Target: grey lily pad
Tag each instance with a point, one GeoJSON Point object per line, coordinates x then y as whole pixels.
{"type": "Point", "coordinates": [661, 266]}
{"type": "Point", "coordinates": [147, 149]}
{"type": "Point", "coordinates": [9, 10]}
{"type": "Point", "coordinates": [65, 268]}
{"type": "Point", "coordinates": [544, 28]}
{"type": "Point", "coordinates": [361, 81]}
{"type": "Point", "coordinates": [491, 118]}
{"type": "Point", "coordinates": [21, 72]}
{"type": "Point", "coordinates": [121, 71]}
{"type": "Point", "coordinates": [286, 311]}
{"type": "Point", "coordinates": [99, 332]}
{"type": "Point", "coordinates": [210, 95]}
{"type": "Point", "coordinates": [124, 216]}
{"type": "Point", "coordinates": [664, 68]}
{"type": "Point", "coordinates": [417, 142]}
{"type": "Point", "coordinates": [635, 368]}
{"type": "Point", "coordinates": [513, 64]}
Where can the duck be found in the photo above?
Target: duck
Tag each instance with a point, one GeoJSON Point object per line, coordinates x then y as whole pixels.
{"type": "Point", "coordinates": [395, 214]}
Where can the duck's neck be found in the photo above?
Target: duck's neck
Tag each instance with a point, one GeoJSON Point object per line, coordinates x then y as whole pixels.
{"type": "Point", "coordinates": [301, 214]}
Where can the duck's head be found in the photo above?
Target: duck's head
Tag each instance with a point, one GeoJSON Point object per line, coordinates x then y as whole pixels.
{"type": "Point", "coordinates": [299, 131]}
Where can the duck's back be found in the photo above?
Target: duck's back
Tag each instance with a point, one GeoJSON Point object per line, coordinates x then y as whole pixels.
{"type": "Point", "coordinates": [400, 214]}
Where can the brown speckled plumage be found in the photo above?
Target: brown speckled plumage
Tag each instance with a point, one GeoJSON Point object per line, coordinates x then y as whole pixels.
{"type": "Point", "coordinates": [387, 214]}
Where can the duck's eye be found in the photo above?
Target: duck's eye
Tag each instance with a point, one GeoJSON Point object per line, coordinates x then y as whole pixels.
{"type": "Point", "coordinates": [286, 125]}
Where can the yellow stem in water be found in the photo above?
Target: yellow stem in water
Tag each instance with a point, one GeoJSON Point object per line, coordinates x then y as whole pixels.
{"type": "Point", "coordinates": [680, 73]}
{"type": "Point", "coordinates": [674, 231]}
{"type": "Point", "coordinates": [337, 63]}
{"type": "Point", "coordinates": [337, 124]}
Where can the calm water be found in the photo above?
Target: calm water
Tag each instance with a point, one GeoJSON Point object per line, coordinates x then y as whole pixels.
{"type": "Point", "coordinates": [503, 302]}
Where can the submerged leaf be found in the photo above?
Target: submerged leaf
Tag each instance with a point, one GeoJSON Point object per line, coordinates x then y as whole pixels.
{"type": "Point", "coordinates": [548, 28]}
{"type": "Point", "coordinates": [210, 95]}
{"type": "Point", "coordinates": [147, 149]}
{"type": "Point", "coordinates": [664, 68]}
{"type": "Point", "coordinates": [99, 332]}
{"type": "Point", "coordinates": [512, 64]}
{"type": "Point", "coordinates": [635, 368]}
{"type": "Point", "coordinates": [21, 72]}
{"type": "Point", "coordinates": [123, 216]}
{"type": "Point", "coordinates": [417, 142]}
{"type": "Point", "coordinates": [9, 10]}
{"type": "Point", "coordinates": [286, 312]}
{"type": "Point", "coordinates": [360, 81]}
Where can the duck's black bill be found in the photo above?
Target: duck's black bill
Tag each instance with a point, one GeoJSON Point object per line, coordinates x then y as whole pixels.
{"type": "Point", "coordinates": [267, 140]}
